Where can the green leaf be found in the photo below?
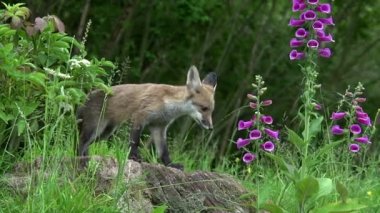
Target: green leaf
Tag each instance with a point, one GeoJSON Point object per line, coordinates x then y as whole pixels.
{"type": "Point", "coordinates": [289, 170]}
{"type": "Point", "coordinates": [327, 147]}
{"type": "Point", "coordinates": [315, 126]}
{"type": "Point", "coordinates": [272, 208]}
{"type": "Point", "coordinates": [295, 139]}
{"type": "Point", "coordinates": [103, 87]}
{"type": "Point", "coordinates": [325, 187]}
{"type": "Point", "coordinates": [306, 188]}
{"type": "Point", "coordinates": [21, 124]}
{"type": "Point", "coordinates": [37, 78]}
{"type": "Point", "coordinates": [342, 190]}
{"type": "Point", "coordinates": [108, 64]}
{"type": "Point", "coordinates": [350, 206]}
{"type": "Point", "coordinates": [6, 117]}
{"type": "Point", "coordinates": [61, 44]}
{"type": "Point", "coordinates": [160, 209]}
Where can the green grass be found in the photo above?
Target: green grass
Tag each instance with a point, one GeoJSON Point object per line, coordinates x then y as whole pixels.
{"type": "Point", "coordinates": [62, 191]}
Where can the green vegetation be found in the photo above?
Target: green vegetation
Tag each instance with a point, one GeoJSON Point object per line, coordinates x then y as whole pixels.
{"type": "Point", "coordinates": [45, 74]}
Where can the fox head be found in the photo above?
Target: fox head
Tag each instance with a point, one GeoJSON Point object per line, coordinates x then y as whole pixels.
{"type": "Point", "coordinates": [201, 95]}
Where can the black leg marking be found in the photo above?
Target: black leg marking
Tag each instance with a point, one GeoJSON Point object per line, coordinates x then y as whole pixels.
{"type": "Point", "coordinates": [135, 142]}
{"type": "Point", "coordinates": [166, 159]}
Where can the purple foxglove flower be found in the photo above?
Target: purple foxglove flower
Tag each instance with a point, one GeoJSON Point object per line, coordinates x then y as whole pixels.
{"type": "Point", "coordinates": [312, 43]}
{"type": "Point", "coordinates": [363, 139]}
{"type": "Point", "coordinates": [318, 25]}
{"type": "Point", "coordinates": [336, 130]}
{"type": "Point", "coordinates": [244, 124]}
{"type": "Point", "coordinates": [255, 134]}
{"type": "Point", "coordinates": [365, 121]}
{"type": "Point", "coordinates": [248, 157]}
{"type": "Point", "coordinates": [301, 33]}
{"type": "Point", "coordinates": [355, 129]}
{"type": "Point", "coordinates": [317, 106]}
{"type": "Point", "coordinates": [252, 105]}
{"type": "Point", "coordinates": [324, 52]}
{"type": "Point", "coordinates": [358, 109]}
{"type": "Point", "coordinates": [338, 115]}
{"type": "Point", "coordinates": [297, 6]}
{"type": "Point", "coordinates": [326, 38]}
{"type": "Point", "coordinates": [296, 43]}
{"type": "Point", "coordinates": [324, 8]}
{"type": "Point", "coordinates": [272, 133]}
{"type": "Point", "coordinates": [242, 142]}
{"type": "Point", "coordinates": [361, 114]}
{"type": "Point", "coordinates": [267, 102]}
{"type": "Point", "coordinates": [295, 55]}
{"type": "Point", "coordinates": [314, 2]}
{"type": "Point", "coordinates": [327, 21]}
{"type": "Point", "coordinates": [268, 146]}
{"type": "Point", "coordinates": [320, 33]}
{"type": "Point", "coordinates": [296, 22]}
{"type": "Point", "coordinates": [267, 119]}
{"type": "Point", "coordinates": [354, 147]}
{"type": "Point", "coordinates": [309, 15]}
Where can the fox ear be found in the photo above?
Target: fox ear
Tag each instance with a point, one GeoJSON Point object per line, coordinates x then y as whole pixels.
{"type": "Point", "coordinates": [193, 81]}
{"type": "Point", "coordinates": [211, 79]}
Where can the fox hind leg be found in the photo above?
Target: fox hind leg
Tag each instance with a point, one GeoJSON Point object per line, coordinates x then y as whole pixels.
{"type": "Point", "coordinates": [88, 133]}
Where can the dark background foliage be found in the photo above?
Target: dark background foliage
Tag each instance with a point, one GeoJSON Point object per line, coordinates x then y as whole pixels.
{"type": "Point", "coordinates": [159, 40]}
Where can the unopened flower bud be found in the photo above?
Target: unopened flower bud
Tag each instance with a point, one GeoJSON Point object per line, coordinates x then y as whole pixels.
{"type": "Point", "coordinates": [254, 85]}
{"type": "Point", "coordinates": [267, 102]}
{"type": "Point", "coordinates": [252, 105]}
{"type": "Point", "coordinates": [317, 86]}
{"type": "Point", "coordinates": [360, 99]}
{"type": "Point", "coordinates": [317, 106]}
{"type": "Point", "coordinates": [251, 97]}
{"type": "Point", "coordinates": [349, 94]}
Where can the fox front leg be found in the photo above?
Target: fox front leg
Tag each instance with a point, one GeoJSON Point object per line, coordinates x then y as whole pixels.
{"type": "Point", "coordinates": [134, 139]}
{"type": "Point", "coordinates": [159, 137]}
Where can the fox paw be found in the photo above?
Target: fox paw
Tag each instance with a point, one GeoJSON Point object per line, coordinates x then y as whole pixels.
{"type": "Point", "coordinates": [176, 166]}
{"type": "Point", "coordinates": [135, 158]}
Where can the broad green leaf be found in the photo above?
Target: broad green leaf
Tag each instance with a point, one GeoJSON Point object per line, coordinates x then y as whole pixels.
{"type": "Point", "coordinates": [37, 78]}
{"type": "Point", "coordinates": [306, 188]}
{"type": "Point", "coordinates": [272, 208]}
{"type": "Point", "coordinates": [295, 139]}
{"type": "Point", "coordinates": [342, 190]}
{"type": "Point", "coordinates": [61, 44]}
{"type": "Point", "coordinates": [104, 87]}
{"type": "Point", "coordinates": [27, 108]}
{"type": "Point", "coordinates": [349, 206]}
{"type": "Point", "coordinates": [72, 40]}
{"type": "Point", "coordinates": [21, 124]}
{"type": "Point", "coordinates": [6, 117]}
{"type": "Point", "coordinates": [315, 126]}
{"type": "Point", "coordinates": [325, 187]}
{"type": "Point", "coordinates": [108, 64]}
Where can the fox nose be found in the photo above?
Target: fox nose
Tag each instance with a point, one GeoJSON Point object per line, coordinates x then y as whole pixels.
{"type": "Point", "coordinates": [207, 124]}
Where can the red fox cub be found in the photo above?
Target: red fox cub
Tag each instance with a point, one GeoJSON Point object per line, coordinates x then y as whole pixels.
{"type": "Point", "coordinates": [154, 106]}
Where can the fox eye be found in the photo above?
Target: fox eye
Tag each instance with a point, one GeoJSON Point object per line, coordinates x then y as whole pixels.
{"type": "Point", "coordinates": [204, 108]}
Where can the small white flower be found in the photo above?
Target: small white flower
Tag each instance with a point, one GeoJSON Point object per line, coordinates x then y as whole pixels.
{"type": "Point", "coordinates": [56, 73]}
{"type": "Point", "coordinates": [75, 63]}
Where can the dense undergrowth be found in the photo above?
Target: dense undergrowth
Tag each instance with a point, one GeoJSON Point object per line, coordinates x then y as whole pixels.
{"type": "Point", "coordinates": [45, 75]}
